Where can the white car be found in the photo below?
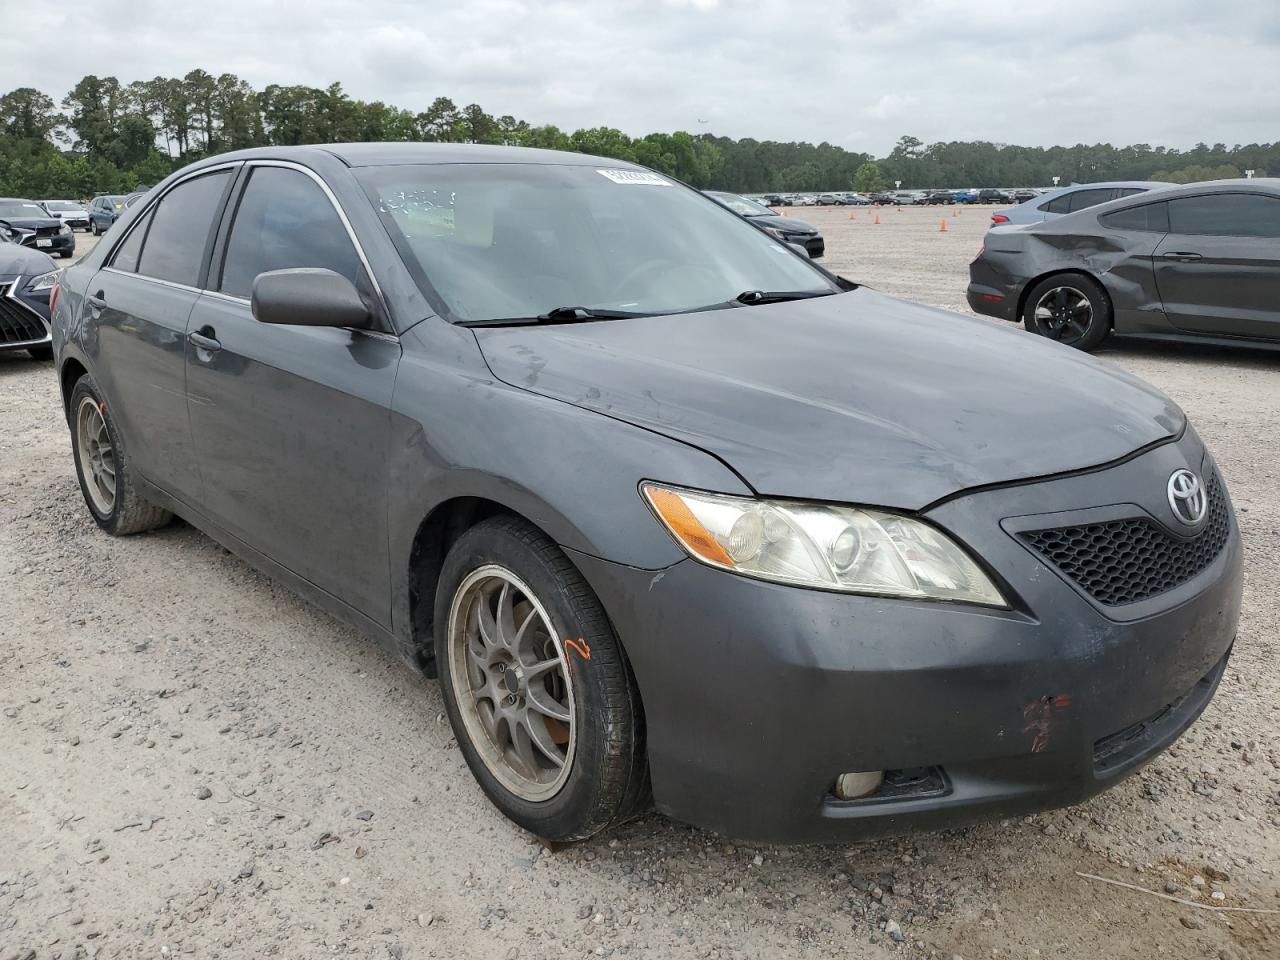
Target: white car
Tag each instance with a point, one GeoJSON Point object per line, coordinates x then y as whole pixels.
{"type": "Point", "coordinates": [70, 212]}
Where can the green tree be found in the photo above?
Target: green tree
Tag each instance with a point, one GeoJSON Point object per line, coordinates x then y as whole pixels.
{"type": "Point", "coordinates": [867, 179]}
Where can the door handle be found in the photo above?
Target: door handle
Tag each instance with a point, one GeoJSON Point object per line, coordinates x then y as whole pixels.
{"type": "Point", "coordinates": [1181, 256]}
{"type": "Point", "coordinates": [204, 342]}
{"type": "Point", "coordinates": [96, 300]}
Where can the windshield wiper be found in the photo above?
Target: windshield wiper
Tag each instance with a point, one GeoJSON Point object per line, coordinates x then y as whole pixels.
{"type": "Point", "coordinates": [560, 315]}
{"type": "Point", "coordinates": [754, 298]}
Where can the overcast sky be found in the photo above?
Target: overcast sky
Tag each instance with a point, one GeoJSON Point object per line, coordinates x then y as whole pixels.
{"type": "Point", "coordinates": [858, 74]}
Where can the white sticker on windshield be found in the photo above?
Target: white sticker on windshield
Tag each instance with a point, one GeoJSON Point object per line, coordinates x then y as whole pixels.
{"type": "Point", "coordinates": [635, 177]}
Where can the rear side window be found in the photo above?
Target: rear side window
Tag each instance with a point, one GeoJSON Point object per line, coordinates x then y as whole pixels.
{"type": "Point", "coordinates": [1060, 204]}
{"type": "Point", "coordinates": [1149, 216]}
{"type": "Point", "coordinates": [284, 220]}
{"type": "Point", "coordinates": [1226, 215]}
{"type": "Point", "coordinates": [1083, 199]}
{"type": "Point", "coordinates": [179, 235]}
{"type": "Point", "coordinates": [126, 255]}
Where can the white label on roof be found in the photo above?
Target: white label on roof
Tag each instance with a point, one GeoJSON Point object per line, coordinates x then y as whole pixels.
{"type": "Point", "coordinates": [637, 177]}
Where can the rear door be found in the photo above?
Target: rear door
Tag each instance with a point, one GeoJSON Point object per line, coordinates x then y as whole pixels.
{"type": "Point", "coordinates": [1218, 269]}
{"type": "Point", "coordinates": [291, 423]}
{"type": "Point", "coordinates": [139, 304]}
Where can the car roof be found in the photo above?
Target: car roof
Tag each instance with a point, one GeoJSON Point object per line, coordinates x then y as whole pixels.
{"type": "Point", "coordinates": [403, 153]}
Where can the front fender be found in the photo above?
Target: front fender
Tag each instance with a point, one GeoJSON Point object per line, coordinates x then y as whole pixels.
{"type": "Point", "coordinates": [457, 431]}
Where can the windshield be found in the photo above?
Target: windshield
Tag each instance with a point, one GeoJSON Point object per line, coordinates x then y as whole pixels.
{"type": "Point", "coordinates": [498, 241]}
{"type": "Point", "coordinates": [741, 205]}
{"type": "Point", "coordinates": [62, 206]}
{"type": "Point", "coordinates": [21, 209]}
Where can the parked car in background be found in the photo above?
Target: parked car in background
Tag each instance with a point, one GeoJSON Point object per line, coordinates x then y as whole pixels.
{"type": "Point", "coordinates": [786, 229]}
{"type": "Point", "coordinates": [939, 197]}
{"type": "Point", "coordinates": [1064, 200]}
{"type": "Point", "coordinates": [965, 196]}
{"type": "Point", "coordinates": [70, 212]}
{"type": "Point", "coordinates": [27, 278]}
{"type": "Point", "coordinates": [1022, 196]}
{"type": "Point", "coordinates": [882, 197]}
{"type": "Point", "coordinates": [911, 197]}
{"type": "Point", "coordinates": [675, 515]}
{"type": "Point", "coordinates": [990, 195]}
{"type": "Point", "coordinates": [1198, 262]}
{"type": "Point", "coordinates": [31, 226]}
{"type": "Point", "coordinates": [104, 210]}
{"type": "Point", "coordinates": [774, 200]}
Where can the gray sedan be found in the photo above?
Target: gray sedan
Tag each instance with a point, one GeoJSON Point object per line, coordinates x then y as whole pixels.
{"type": "Point", "coordinates": [1064, 200]}
{"type": "Point", "coordinates": [676, 516]}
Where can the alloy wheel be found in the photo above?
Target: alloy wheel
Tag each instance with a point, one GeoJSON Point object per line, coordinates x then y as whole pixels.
{"type": "Point", "coordinates": [511, 683]}
{"type": "Point", "coordinates": [97, 455]}
{"type": "Point", "coordinates": [1064, 314]}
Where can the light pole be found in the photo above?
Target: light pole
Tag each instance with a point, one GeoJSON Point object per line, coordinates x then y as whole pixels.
{"type": "Point", "coordinates": [1055, 180]}
{"type": "Point", "coordinates": [1249, 174]}
{"type": "Point", "coordinates": [897, 184]}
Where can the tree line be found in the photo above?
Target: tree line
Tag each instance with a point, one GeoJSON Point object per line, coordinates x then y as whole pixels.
{"type": "Point", "coordinates": [106, 135]}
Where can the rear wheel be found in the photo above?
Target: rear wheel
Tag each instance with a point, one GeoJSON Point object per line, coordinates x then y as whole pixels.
{"type": "Point", "coordinates": [538, 691]}
{"type": "Point", "coordinates": [1071, 308]}
{"type": "Point", "coordinates": [107, 481]}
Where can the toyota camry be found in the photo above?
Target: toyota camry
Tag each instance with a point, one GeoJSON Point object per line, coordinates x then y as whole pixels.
{"type": "Point", "coordinates": [676, 516]}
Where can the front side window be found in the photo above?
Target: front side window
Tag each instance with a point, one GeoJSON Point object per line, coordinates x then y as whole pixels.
{"type": "Point", "coordinates": [514, 241]}
{"type": "Point", "coordinates": [1226, 215]}
{"type": "Point", "coordinates": [1083, 199]}
{"type": "Point", "coordinates": [178, 237]}
{"type": "Point", "coordinates": [284, 220]}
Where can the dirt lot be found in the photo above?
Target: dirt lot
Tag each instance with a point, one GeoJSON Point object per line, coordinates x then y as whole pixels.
{"type": "Point", "coordinates": [196, 762]}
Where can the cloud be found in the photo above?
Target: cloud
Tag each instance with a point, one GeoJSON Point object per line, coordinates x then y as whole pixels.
{"type": "Point", "coordinates": [771, 69]}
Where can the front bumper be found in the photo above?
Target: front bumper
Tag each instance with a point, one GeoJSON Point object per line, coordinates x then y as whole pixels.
{"type": "Point", "coordinates": [757, 696]}
{"type": "Point", "coordinates": [58, 243]}
{"type": "Point", "coordinates": [24, 316]}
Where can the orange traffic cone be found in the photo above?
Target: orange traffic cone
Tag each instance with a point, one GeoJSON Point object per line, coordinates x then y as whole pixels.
{"type": "Point", "coordinates": [955, 211]}
{"type": "Point", "coordinates": [943, 228]}
{"type": "Point", "coordinates": [899, 209]}
{"type": "Point", "coordinates": [877, 218]}
{"type": "Point", "coordinates": [853, 215]}
{"type": "Point", "coordinates": [784, 211]}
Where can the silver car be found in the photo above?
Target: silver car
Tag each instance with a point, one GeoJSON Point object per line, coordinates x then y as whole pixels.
{"type": "Point", "coordinates": [70, 212]}
{"type": "Point", "coordinates": [1078, 196]}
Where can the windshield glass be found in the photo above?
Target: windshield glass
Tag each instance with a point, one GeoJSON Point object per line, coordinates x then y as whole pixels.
{"type": "Point", "coordinates": [498, 241]}
{"type": "Point", "coordinates": [21, 209]}
{"type": "Point", "coordinates": [741, 205]}
{"type": "Point", "coordinates": [62, 205]}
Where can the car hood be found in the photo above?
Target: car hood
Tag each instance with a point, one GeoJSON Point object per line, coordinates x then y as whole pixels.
{"type": "Point", "coordinates": [786, 225]}
{"type": "Point", "coordinates": [857, 398]}
{"type": "Point", "coordinates": [22, 261]}
{"type": "Point", "coordinates": [32, 223]}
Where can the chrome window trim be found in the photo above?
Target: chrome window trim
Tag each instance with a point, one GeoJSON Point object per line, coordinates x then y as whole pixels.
{"type": "Point", "coordinates": [143, 276]}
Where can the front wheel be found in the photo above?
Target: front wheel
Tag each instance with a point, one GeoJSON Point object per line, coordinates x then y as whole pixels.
{"type": "Point", "coordinates": [1072, 309]}
{"type": "Point", "coordinates": [538, 690]}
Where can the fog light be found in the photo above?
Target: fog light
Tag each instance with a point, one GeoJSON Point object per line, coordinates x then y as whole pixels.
{"type": "Point", "coordinates": [852, 786]}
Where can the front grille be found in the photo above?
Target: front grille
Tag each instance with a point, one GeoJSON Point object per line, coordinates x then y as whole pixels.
{"type": "Point", "coordinates": [47, 231]}
{"type": "Point", "coordinates": [1124, 561]}
{"type": "Point", "coordinates": [19, 324]}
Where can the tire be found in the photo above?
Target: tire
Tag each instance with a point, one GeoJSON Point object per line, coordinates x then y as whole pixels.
{"type": "Point", "coordinates": [1070, 308]}
{"type": "Point", "coordinates": [40, 353]}
{"type": "Point", "coordinates": [93, 228]}
{"type": "Point", "coordinates": [603, 778]}
{"type": "Point", "coordinates": [125, 511]}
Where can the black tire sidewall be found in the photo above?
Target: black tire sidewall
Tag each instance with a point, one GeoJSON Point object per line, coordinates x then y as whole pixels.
{"type": "Point", "coordinates": [584, 805]}
{"type": "Point", "coordinates": [1099, 303]}
{"type": "Point", "coordinates": [85, 387]}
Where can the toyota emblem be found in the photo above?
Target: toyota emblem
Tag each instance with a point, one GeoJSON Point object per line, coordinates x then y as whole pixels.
{"type": "Point", "coordinates": [1187, 497]}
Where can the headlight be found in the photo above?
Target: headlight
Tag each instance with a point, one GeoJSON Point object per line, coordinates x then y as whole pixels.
{"type": "Point", "coordinates": [46, 281]}
{"type": "Point", "coordinates": [852, 549]}
{"type": "Point", "coordinates": [65, 228]}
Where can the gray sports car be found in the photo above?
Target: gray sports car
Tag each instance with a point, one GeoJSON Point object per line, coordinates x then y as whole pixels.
{"type": "Point", "coordinates": [1199, 262]}
{"type": "Point", "coordinates": [674, 514]}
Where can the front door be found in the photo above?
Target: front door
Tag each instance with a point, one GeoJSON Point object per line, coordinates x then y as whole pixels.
{"type": "Point", "coordinates": [1218, 269]}
{"type": "Point", "coordinates": [291, 423]}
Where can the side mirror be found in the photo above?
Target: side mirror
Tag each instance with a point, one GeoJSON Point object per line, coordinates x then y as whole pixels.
{"type": "Point", "coordinates": [308, 296]}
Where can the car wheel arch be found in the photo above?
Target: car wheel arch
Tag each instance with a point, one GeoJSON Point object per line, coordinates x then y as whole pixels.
{"type": "Point", "coordinates": [1064, 272]}
{"type": "Point", "coordinates": [72, 370]}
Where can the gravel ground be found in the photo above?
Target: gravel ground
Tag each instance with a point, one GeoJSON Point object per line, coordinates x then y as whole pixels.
{"type": "Point", "coordinates": [197, 762]}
